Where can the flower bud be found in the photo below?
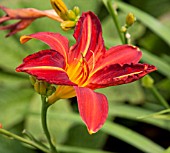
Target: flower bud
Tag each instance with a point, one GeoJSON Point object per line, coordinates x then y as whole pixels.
{"type": "Point", "coordinates": [67, 25]}
{"type": "Point", "coordinates": [71, 15]}
{"type": "Point", "coordinates": [147, 81]}
{"type": "Point", "coordinates": [32, 79]}
{"type": "Point", "coordinates": [130, 19]}
{"type": "Point", "coordinates": [60, 8]}
{"type": "Point", "coordinates": [37, 86]}
{"type": "Point", "coordinates": [42, 88]}
{"type": "Point", "coordinates": [123, 29]}
{"type": "Point", "coordinates": [50, 90]}
{"type": "Point", "coordinates": [76, 10]}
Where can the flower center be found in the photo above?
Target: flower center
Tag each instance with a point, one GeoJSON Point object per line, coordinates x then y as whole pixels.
{"type": "Point", "coordinates": [78, 71]}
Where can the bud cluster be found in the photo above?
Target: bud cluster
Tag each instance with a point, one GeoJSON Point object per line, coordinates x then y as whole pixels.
{"type": "Point", "coordinates": [130, 20]}
{"type": "Point", "coordinates": [42, 87]}
{"type": "Point", "coordinates": [70, 17]}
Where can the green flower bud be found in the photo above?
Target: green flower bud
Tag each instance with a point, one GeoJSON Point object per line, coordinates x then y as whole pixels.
{"type": "Point", "coordinates": [71, 15]}
{"type": "Point", "coordinates": [123, 29]}
{"type": "Point", "coordinates": [147, 81]}
{"type": "Point", "coordinates": [50, 90]}
{"type": "Point", "coordinates": [76, 10]}
{"type": "Point", "coordinates": [37, 86]}
{"type": "Point", "coordinates": [42, 88]}
{"type": "Point", "coordinates": [32, 79]}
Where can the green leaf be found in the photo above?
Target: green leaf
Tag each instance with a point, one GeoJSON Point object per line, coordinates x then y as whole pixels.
{"type": "Point", "coordinates": [71, 149]}
{"type": "Point", "coordinates": [135, 113]}
{"type": "Point", "coordinates": [116, 130]}
{"type": "Point", "coordinates": [164, 87]}
{"type": "Point", "coordinates": [167, 150]}
{"type": "Point", "coordinates": [13, 105]}
{"type": "Point", "coordinates": [11, 79]}
{"type": "Point", "coordinates": [13, 146]}
{"type": "Point", "coordinates": [161, 64]}
{"type": "Point", "coordinates": [131, 137]}
{"type": "Point", "coordinates": [161, 7]}
{"type": "Point", "coordinates": [164, 114]}
{"type": "Point", "coordinates": [131, 92]}
{"type": "Point", "coordinates": [95, 141]}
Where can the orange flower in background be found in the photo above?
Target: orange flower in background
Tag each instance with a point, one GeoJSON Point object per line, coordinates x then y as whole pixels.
{"type": "Point", "coordinates": [25, 16]}
{"type": "Point", "coordinates": [80, 69]}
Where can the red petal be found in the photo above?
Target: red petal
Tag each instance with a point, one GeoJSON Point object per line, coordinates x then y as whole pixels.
{"type": "Point", "coordinates": [122, 54]}
{"type": "Point", "coordinates": [47, 65]}
{"type": "Point", "coordinates": [54, 40]}
{"type": "Point", "coordinates": [93, 108]}
{"type": "Point", "coordinates": [16, 27]}
{"type": "Point", "coordinates": [116, 74]}
{"type": "Point", "coordinates": [89, 41]}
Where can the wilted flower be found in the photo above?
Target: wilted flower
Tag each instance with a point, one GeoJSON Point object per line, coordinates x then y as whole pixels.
{"type": "Point", "coordinates": [25, 16]}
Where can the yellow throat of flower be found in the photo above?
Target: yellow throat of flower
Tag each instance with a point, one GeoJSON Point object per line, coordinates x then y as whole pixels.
{"type": "Point", "coordinates": [78, 72]}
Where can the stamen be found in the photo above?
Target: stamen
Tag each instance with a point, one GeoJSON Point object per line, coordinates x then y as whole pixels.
{"type": "Point", "coordinates": [85, 71]}
{"type": "Point", "coordinates": [79, 70]}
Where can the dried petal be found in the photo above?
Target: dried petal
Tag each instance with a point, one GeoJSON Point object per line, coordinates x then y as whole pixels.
{"type": "Point", "coordinates": [26, 17]}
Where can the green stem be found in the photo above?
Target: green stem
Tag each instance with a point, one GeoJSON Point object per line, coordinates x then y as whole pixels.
{"type": "Point", "coordinates": [159, 97]}
{"type": "Point", "coordinates": [125, 39]}
{"type": "Point", "coordinates": [29, 142]}
{"type": "Point", "coordinates": [44, 109]}
{"type": "Point", "coordinates": [114, 15]}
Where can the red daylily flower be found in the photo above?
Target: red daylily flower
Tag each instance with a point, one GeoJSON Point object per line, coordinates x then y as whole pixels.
{"type": "Point", "coordinates": [25, 16]}
{"type": "Point", "coordinates": [84, 67]}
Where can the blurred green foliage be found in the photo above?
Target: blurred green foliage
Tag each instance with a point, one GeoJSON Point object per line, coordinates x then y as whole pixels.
{"type": "Point", "coordinates": [20, 106]}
